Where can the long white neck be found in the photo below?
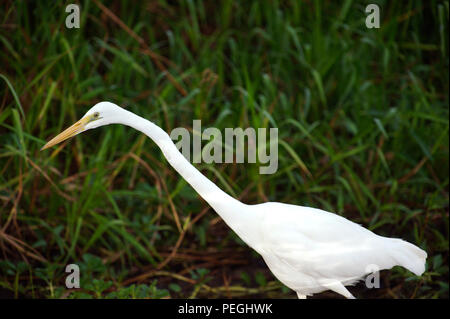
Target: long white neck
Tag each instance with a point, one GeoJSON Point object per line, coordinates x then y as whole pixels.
{"type": "Point", "coordinates": [237, 215]}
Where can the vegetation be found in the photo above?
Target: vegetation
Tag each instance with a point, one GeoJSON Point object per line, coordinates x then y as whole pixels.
{"type": "Point", "coordinates": [363, 131]}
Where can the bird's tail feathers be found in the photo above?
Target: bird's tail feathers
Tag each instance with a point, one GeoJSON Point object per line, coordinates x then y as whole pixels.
{"type": "Point", "coordinates": [408, 255]}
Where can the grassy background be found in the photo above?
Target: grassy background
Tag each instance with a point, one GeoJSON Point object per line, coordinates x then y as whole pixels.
{"type": "Point", "coordinates": [362, 117]}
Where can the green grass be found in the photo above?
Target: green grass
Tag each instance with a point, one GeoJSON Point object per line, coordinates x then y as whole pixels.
{"type": "Point", "coordinates": [363, 126]}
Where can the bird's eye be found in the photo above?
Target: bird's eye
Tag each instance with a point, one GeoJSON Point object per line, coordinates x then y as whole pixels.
{"type": "Point", "coordinates": [96, 115]}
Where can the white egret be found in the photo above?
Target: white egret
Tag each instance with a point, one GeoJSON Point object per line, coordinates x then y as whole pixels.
{"type": "Point", "coordinates": [307, 249]}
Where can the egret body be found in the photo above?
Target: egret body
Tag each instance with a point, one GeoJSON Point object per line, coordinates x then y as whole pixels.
{"type": "Point", "coordinates": [307, 249]}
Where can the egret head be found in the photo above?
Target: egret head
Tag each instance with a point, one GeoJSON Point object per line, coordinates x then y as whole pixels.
{"type": "Point", "coordinates": [100, 114]}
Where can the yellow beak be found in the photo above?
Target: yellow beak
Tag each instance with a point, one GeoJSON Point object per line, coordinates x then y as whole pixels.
{"type": "Point", "coordinates": [73, 130]}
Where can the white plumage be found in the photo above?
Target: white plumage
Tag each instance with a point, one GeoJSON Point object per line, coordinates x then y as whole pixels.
{"type": "Point", "coordinates": [307, 249]}
{"type": "Point", "coordinates": [311, 250]}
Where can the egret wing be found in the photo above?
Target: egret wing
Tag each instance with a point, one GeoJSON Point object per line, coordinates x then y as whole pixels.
{"type": "Point", "coordinates": [319, 244]}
